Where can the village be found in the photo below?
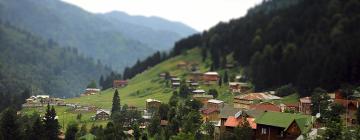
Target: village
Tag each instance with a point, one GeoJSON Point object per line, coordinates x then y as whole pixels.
{"type": "Point", "coordinates": [267, 115]}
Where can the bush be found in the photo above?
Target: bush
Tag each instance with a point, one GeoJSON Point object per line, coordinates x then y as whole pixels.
{"type": "Point", "coordinates": [285, 90]}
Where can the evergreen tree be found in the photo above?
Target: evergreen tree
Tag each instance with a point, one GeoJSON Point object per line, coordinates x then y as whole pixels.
{"type": "Point", "coordinates": [71, 131]}
{"type": "Point", "coordinates": [101, 81]}
{"type": "Point", "coordinates": [320, 102]}
{"type": "Point", "coordinates": [83, 130]}
{"type": "Point", "coordinates": [137, 132]}
{"type": "Point", "coordinates": [38, 129]}
{"type": "Point", "coordinates": [184, 90]}
{"type": "Point", "coordinates": [144, 136]}
{"type": "Point", "coordinates": [51, 123]}
{"type": "Point", "coordinates": [220, 81]}
{"type": "Point", "coordinates": [115, 103]}
{"type": "Point", "coordinates": [154, 125]}
{"type": "Point", "coordinates": [213, 92]}
{"type": "Point", "coordinates": [92, 84]}
{"type": "Point", "coordinates": [226, 77]}
{"type": "Point", "coordinates": [9, 126]}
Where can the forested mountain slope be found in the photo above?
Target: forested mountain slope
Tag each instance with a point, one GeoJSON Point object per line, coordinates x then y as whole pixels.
{"type": "Point", "coordinates": [27, 62]}
{"type": "Point", "coordinates": [306, 43]}
{"type": "Point", "coordinates": [112, 41]}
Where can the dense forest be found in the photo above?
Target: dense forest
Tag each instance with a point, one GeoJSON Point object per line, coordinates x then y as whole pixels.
{"type": "Point", "coordinates": [112, 37]}
{"type": "Point", "coordinates": [42, 67]}
{"type": "Point", "coordinates": [305, 43]}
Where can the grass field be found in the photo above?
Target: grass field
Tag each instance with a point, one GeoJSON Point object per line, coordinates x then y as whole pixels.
{"type": "Point", "coordinates": [149, 85]}
{"type": "Point", "coordinates": [66, 115]}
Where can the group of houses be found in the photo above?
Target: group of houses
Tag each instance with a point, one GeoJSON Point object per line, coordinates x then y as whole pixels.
{"type": "Point", "coordinates": [350, 106]}
{"type": "Point", "coordinates": [43, 100]}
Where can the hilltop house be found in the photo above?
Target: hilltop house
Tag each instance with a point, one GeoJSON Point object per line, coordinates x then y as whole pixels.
{"type": "Point", "coordinates": [213, 103]}
{"type": "Point", "coordinates": [278, 125]}
{"type": "Point", "coordinates": [211, 77]}
{"type": "Point", "coordinates": [152, 104]}
{"type": "Point", "coordinates": [195, 76]}
{"type": "Point", "coordinates": [102, 114]}
{"type": "Point", "coordinates": [305, 105]}
{"type": "Point", "coordinates": [90, 91]}
{"type": "Point", "coordinates": [120, 83]}
{"type": "Point", "coordinates": [351, 107]}
{"type": "Point", "coordinates": [243, 101]}
{"type": "Point", "coordinates": [182, 65]}
{"type": "Point", "coordinates": [237, 87]}
{"type": "Point", "coordinates": [203, 98]}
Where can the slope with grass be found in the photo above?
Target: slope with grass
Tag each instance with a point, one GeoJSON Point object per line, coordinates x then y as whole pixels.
{"type": "Point", "coordinates": [149, 85]}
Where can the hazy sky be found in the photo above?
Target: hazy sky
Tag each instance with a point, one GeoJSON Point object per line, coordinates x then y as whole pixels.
{"type": "Point", "coordinates": [199, 14]}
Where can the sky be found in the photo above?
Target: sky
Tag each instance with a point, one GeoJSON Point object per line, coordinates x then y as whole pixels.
{"type": "Point", "coordinates": [199, 14]}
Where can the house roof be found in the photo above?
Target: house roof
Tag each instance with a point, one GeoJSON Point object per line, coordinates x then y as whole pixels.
{"type": "Point", "coordinates": [232, 121]}
{"type": "Point", "coordinates": [284, 120]}
{"type": "Point", "coordinates": [175, 83]}
{"type": "Point", "coordinates": [203, 96]}
{"type": "Point", "coordinates": [209, 110]}
{"type": "Point", "coordinates": [175, 79]}
{"type": "Point", "coordinates": [215, 101]}
{"type": "Point", "coordinates": [228, 110]}
{"type": "Point", "coordinates": [257, 96]}
{"type": "Point", "coordinates": [199, 91]}
{"type": "Point", "coordinates": [265, 106]}
{"type": "Point", "coordinates": [306, 100]}
{"type": "Point", "coordinates": [42, 96]}
{"type": "Point", "coordinates": [254, 113]}
{"type": "Point", "coordinates": [152, 100]}
{"type": "Point", "coordinates": [92, 89]}
{"type": "Point", "coordinates": [211, 73]}
{"type": "Point", "coordinates": [103, 110]}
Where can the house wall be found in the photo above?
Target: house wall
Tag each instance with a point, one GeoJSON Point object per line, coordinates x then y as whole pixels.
{"type": "Point", "coordinates": [272, 133]}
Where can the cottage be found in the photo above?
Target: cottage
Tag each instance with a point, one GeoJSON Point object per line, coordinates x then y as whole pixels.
{"type": "Point", "coordinates": [102, 114]}
{"type": "Point", "coordinates": [120, 83]}
{"type": "Point", "coordinates": [90, 91]}
{"type": "Point", "coordinates": [210, 114]}
{"type": "Point", "coordinates": [181, 64]}
{"type": "Point", "coordinates": [211, 77]}
{"type": "Point", "coordinates": [198, 91]}
{"type": "Point", "coordinates": [278, 125]}
{"type": "Point", "coordinates": [213, 103]}
{"type": "Point", "coordinates": [237, 87]}
{"type": "Point", "coordinates": [305, 105]}
{"type": "Point", "coordinates": [243, 101]}
{"type": "Point", "coordinates": [152, 104]}
{"type": "Point", "coordinates": [195, 76]}
{"type": "Point", "coordinates": [226, 111]}
{"type": "Point", "coordinates": [351, 107]}
{"type": "Point", "coordinates": [203, 98]}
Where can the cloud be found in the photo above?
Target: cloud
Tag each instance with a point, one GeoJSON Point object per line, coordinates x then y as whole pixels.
{"type": "Point", "coordinates": [199, 14]}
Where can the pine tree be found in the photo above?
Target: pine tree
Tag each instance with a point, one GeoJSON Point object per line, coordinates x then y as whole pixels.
{"type": "Point", "coordinates": [51, 123]}
{"type": "Point", "coordinates": [115, 103]}
{"type": "Point", "coordinates": [8, 125]}
{"type": "Point", "coordinates": [226, 77]}
{"type": "Point", "coordinates": [37, 131]}
{"type": "Point", "coordinates": [101, 82]}
{"type": "Point", "coordinates": [71, 131]}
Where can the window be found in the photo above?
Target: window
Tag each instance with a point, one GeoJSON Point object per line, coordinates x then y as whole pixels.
{"type": "Point", "coordinates": [263, 130]}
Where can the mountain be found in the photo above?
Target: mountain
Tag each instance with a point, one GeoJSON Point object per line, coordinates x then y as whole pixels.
{"type": "Point", "coordinates": [115, 42]}
{"type": "Point", "coordinates": [304, 43]}
{"type": "Point", "coordinates": [28, 62]}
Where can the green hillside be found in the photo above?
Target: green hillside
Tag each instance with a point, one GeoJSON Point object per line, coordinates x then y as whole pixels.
{"type": "Point", "coordinates": [149, 85]}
